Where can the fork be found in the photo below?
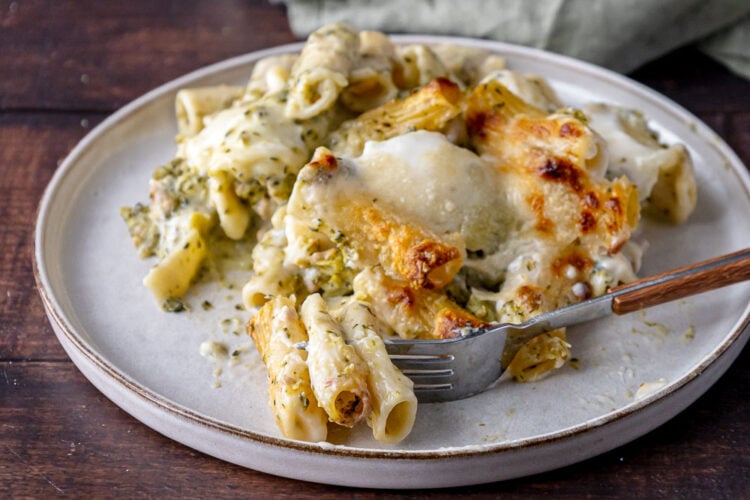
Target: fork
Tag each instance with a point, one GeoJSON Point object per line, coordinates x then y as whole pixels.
{"type": "Point", "coordinates": [450, 369]}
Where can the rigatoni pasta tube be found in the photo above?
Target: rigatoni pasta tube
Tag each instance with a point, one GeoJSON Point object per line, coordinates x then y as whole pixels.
{"type": "Point", "coordinates": [270, 276]}
{"type": "Point", "coordinates": [431, 108]}
{"type": "Point", "coordinates": [321, 71]}
{"type": "Point", "coordinates": [234, 216]}
{"type": "Point", "coordinates": [675, 192]}
{"type": "Point", "coordinates": [193, 105]}
{"type": "Point", "coordinates": [172, 276]}
{"type": "Point", "coordinates": [269, 75]}
{"type": "Point", "coordinates": [418, 65]}
{"type": "Point", "coordinates": [337, 373]}
{"type": "Point", "coordinates": [371, 80]}
{"type": "Point", "coordinates": [468, 64]}
{"type": "Point", "coordinates": [412, 312]}
{"type": "Point", "coordinates": [276, 329]}
{"type": "Point", "coordinates": [370, 233]}
{"type": "Point", "coordinates": [539, 356]}
{"type": "Point", "coordinates": [394, 405]}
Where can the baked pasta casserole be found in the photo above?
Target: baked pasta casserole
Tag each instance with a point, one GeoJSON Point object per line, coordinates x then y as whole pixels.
{"type": "Point", "coordinates": [399, 190]}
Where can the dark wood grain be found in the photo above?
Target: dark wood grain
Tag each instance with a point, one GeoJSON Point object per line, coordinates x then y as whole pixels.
{"type": "Point", "coordinates": [31, 147]}
{"type": "Point", "coordinates": [63, 67]}
{"type": "Point", "coordinates": [682, 282]}
{"type": "Point", "coordinates": [93, 55]}
{"type": "Point", "coordinates": [58, 434]}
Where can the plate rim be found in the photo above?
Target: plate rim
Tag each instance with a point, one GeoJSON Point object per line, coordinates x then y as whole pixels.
{"type": "Point", "coordinates": [57, 316]}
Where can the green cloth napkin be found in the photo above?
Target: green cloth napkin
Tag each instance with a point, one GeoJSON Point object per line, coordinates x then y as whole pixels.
{"type": "Point", "coordinates": [618, 34]}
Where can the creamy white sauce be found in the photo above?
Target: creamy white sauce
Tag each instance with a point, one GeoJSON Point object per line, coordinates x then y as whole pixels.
{"type": "Point", "coordinates": [532, 89]}
{"type": "Point", "coordinates": [637, 157]}
{"type": "Point", "coordinates": [251, 140]}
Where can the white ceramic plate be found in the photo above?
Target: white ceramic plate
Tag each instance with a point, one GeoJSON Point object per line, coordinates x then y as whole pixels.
{"type": "Point", "coordinates": [148, 362]}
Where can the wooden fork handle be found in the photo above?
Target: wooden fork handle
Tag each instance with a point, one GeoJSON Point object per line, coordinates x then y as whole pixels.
{"type": "Point", "coordinates": [682, 282]}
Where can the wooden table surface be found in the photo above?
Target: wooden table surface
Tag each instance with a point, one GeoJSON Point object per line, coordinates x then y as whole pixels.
{"type": "Point", "coordinates": [64, 66]}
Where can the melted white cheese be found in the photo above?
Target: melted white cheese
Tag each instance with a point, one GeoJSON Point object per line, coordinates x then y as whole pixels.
{"type": "Point", "coordinates": [633, 150]}
{"type": "Point", "coordinates": [253, 141]}
{"type": "Point", "coordinates": [446, 187]}
{"type": "Point", "coordinates": [532, 89]}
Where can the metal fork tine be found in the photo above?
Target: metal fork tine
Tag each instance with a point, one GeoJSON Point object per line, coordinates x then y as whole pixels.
{"type": "Point", "coordinates": [436, 366]}
{"type": "Point", "coordinates": [432, 374]}
{"type": "Point", "coordinates": [419, 375]}
{"type": "Point", "coordinates": [421, 390]}
{"type": "Point", "coordinates": [422, 364]}
{"type": "Point", "coordinates": [423, 358]}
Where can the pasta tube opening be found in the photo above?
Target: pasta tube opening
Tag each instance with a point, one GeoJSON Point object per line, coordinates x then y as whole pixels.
{"type": "Point", "coordinates": [337, 373]}
{"type": "Point", "coordinates": [275, 330]}
{"type": "Point", "coordinates": [394, 405]}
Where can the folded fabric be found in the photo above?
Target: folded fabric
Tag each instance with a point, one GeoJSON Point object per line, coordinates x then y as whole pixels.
{"type": "Point", "coordinates": [731, 47]}
{"type": "Point", "coordinates": [618, 34]}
